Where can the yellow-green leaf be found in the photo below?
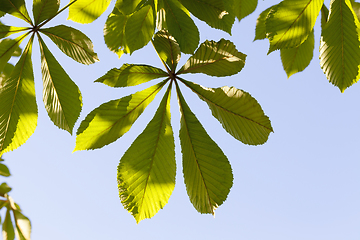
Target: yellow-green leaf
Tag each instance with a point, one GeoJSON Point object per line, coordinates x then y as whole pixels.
{"type": "Point", "coordinates": [7, 227]}
{"type": "Point", "coordinates": [17, 8]}
{"type": "Point", "coordinates": [87, 11]}
{"type": "Point", "coordinates": [167, 48]}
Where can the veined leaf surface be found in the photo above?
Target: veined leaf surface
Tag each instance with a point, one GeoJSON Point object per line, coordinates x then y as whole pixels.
{"type": "Point", "coordinates": [215, 59]}
{"type": "Point", "coordinates": [181, 26]}
{"type": "Point", "coordinates": [7, 49]}
{"type": "Point", "coordinates": [167, 48]}
{"type": "Point", "coordinates": [290, 22]}
{"type": "Point", "coordinates": [146, 173]}
{"type": "Point", "coordinates": [244, 7]}
{"type": "Point", "coordinates": [297, 59]}
{"type": "Point", "coordinates": [238, 112]}
{"type": "Point", "coordinates": [44, 9]}
{"type": "Point", "coordinates": [8, 30]}
{"type": "Point", "coordinates": [17, 8]}
{"type": "Point", "coordinates": [73, 43]}
{"type": "Point", "coordinates": [260, 29]}
{"type": "Point", "coordinates": [61, 96]}
{"type": "Point", "coordinates": [207, 171]}
{"type": "Point", "coordinates": [131, 75]}
{"type": "Point", "coordinates": [18, 109]}
{"type": "Point", "coordinates": [127, 7]}
{"type": "Point", "coordinates": [87, 11]}
{"type": "Point", "coordinates": [113, 119]}
{"type": "Point", "coordinates": [7, 227]}
{"type": "Point", "coordinates": [339, 45]}
{"type": "Point", "coordinates": [213, 12]}
{"type": "Point", "coordinates": [23, 226]}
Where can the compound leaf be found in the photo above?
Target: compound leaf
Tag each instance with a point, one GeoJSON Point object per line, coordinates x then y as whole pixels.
{"type": "Point", "coordinates": [146, 173]}
{"type": "Point", "coordinates": [207, 171]}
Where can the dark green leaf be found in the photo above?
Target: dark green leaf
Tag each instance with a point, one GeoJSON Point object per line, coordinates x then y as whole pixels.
{"type": "Point", "coordinates": [113, 119]}
{"type": "Point", "coordinates": [127, 7]}
{"type": "Point", "coordinates": [131, 75]}
{"type": "Point", "coordinates": [73, 43]}
{"type": "Point", "coordinates": [207, 171]}
{"type": "Point", "coordinates": [167, 48]}
{"type": "Point", "coordinates": [146, 173]}
{"type": "Point", "coordinates": [215, 59]}
{"type": "Point", "coordinates": [61, 96]}
{"type": "Point", "coordinates": [9, 48]}
{"type": "Point", "coordinates": [4, 170]}
{"type": "Point", "coordinates": [4, 188]}
{"type": "Point", "coordinates": [17, 8]}
{"type": "Point", "coordinates": [44, 9]}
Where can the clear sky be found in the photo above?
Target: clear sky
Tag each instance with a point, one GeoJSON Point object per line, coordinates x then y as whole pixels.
{"type": "Point", "coordinates": [304, 183]}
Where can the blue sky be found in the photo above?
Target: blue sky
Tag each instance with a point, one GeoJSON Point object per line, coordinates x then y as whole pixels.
{"type": "Point", "coordinates": [304, 183]}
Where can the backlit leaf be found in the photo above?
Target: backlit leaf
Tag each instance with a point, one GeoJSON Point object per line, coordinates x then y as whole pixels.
{"type": "Point", "coordinates": [87, 11]}
{"type": "Point", "coordinates": [23, 226]}
{"type": "Point", "coordinates": [18, 109]}
{"type": "Point", "coordinates": [167, 48]}
{"type": "Point", "coordinates": [215, 59]}
{"type": "Point", "coordinates": [73, 43]}
{"type": "Point", "coordinates": [238, 112]}
{"type": "Point", "coordinates": [4, 188]}
{"type": "Point", "coordinates": [207, 171]}
{"type": "Point", "coordinates": [146, 173]}
{"type": "Point", "coordinates": [44, 9]}
{"type": "Point", "coordinates": [8, 30]}
{"type": "Point", "coordinates": [111, 120]}
{"type": "Point", "coordinates": [339, 45]}
{"type": "Point", "coordinates": [17, 8]}
{"type": "Point", "coordinates": [181, 26]}
{"type": "Point", "coordinates": [297, 59]}
{"type": "Point", "coordinates": [131, 75]}
{"type": "Point", "coordinates": [127, 7]}
{"type": "Point", "coordinates": [9, 48]}
{"type": "Point", "coordinates": [7, 227]}
{"type": "Point", "coordinates": [243, 8]}
{"type": "Point", "coordinates": [213, 12]}
{"type": "Point", "coordinates": [4, 170]}
{"type": "Point", "coordinates": [61, 96]}
{"type": "Point", "coordinates": [290, 22]}
{"type": "Point", "coordinates": [260, 29]}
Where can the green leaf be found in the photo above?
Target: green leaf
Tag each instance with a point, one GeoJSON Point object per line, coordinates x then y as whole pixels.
{"type": "Point", "coordinates": [243, 8]}
{"type": "Point", "coordinates": [207, 171]}
{"type": "Point", "coordinates": [297, 59]}
{"type": "Point", "coordinates": [260, 29]}
{"type": "Point", "coordinates": [17, 8]}
{"type": "Point", "coordinates": [23, 226]}
{"type": "Point", "coordinates": [131, 75]}
{"type": "Point", "coordinates": [290, 22]}
{"type": "Point", "coordinates": [215, 59]}
{"type": "Point", "coordinates": [18, 109]}
{"type": "Point", "coordinates": [9, 48]}
{"type": "Point", "coordinates": [87, 11]}
{"type": "Point", "coordinates": [181, 26]}
{"type": "Point", "coordinates": [3, 203]}
{"type": "Point", "coordinates": [167, 48]}
{"type": "Point", "coordinates": [44, 9]}
{"type": "Point", "coordinates": [114, 32]}
{"type": "Point", "coordinates": [8, 30]}
{"type": "Point", "coordinates": [73, 43]}
{"type": "Point", "coordinates": [140, 28]}
{"type": "Point", "coordinates": [4, 188]}
{"type": "Point", "coordinates": [356, 8]}
{"type": "Point", "coordinates": [7, 227]}
{"type": "Point", "coordinates": [146, 173]}
{"type": "Point", "coordinates": [213, 12]}
{"type": "Point", "coordinates": [238, 112]}
{"type": "Point", "coordinates": [4, 170]}
{"type": "Point", "coordinates": [339, 45]}
{"type": "Point", "coordinates": [8, 68]}
{"type": "Point", "coordinates": [127, 7]}
{"type": "Point", "coordinates": [324, 16]}
{"type": "Point", "coordinates": [111, 120]}
{"type": "Point", "coordinates": [61, 96]}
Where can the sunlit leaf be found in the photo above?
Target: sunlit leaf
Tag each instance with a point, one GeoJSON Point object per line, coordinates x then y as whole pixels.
{"type": "Point", "coordinates": [17, 8]}
{"type": "Point", "coordinates": [8, 30]}
{"type": "Point", "coordinates": [87, 11]}
{"type": "Point", "coordinates": [215, 59]}
{"type": "Point", "coordinates": [356, 8]}
{"type": "Point", "coordinates": [114, 32]}
{"type": "Point", "coordinates": [297, 59]}
{"type": "Point", "coordinates": [9, 48]}
{"type": "Point", "coordinates": [73, 43]}
{"type": "Point", "coordinates": [290, 22]}
{"type": "Point", "coordinates": [131, 75]}
{"type": "Point", "coordinates": [18, 109]}
{"type": "Point", "coordinates": [339, 45]}
{"type": "Point", "coordinates": [140, 28]}
{"type": "Point", "coordinates": [213, 12]}
{"type": "Point", "coordinates": [127, 7]}
{"type": "Point", "coordinates": [324, 16]}
{"type": "Point", "coordinates": [44, 9]}
{"type": "Point", "coordinates": [260, 29]}
{"type": "Point", "coordinates": [23, 226]}
{"type": "Point", "coordinates": [7, 227]}
{"type": "Point", "coordinates": [243, 8]}
{"type": "Point", "coordinates": [238, 112]}
{"type": "Point", "coordinates": [181, 26]}
{"type": "Point", "coordinates": [146, 173]}
{"type": "Point", "coordinates": [207, 171]}
{"type": "Point", "coordinates": [4, 170]}
{"type": "Point", "coordinates": [111, 120]}
{"type": "Point", "coordinates": [61, 96]}
{"type": "Point", "coordinates": [4, 188]}
{"type": "Point", "coordinates": [167, 48]}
